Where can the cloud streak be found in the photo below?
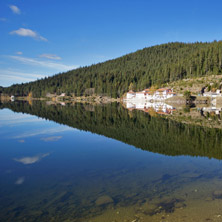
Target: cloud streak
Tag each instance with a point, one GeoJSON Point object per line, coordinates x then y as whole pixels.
{"type": "Point", "coordinates": [10, 119]}
{"type": "Point", "coordinates": [15, 9]}
{"type": "Point", "coordinates": [28, 33]}
{"type": "Point", "coordinates": [15, 76]}
{"type": "Point", "coordinates": [47, 64]}
{"type": "Point", "coordinates": [43, 132]}
{"type": "Point", "coordinates": [50, 56]}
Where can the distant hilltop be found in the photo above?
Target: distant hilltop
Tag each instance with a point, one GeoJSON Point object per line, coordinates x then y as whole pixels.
{"type": "Point", "coordinates": [156, 65]}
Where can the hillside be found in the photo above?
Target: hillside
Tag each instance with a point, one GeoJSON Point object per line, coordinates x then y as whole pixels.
{"type": "Point", "coordinates": [150, 66]}
{"type": "Point", "coordinates": [197, 85]}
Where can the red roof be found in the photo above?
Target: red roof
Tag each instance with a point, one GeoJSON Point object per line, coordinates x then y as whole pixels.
{"type": "Point", "coordinates": [163, 89]}
{"type": "Point", "coordinates": [131, 91]}
{"type": "Point", "coordinates": [139, 92]}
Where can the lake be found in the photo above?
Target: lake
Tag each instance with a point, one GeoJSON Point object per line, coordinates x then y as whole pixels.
{"type": "Point", "coordinates": [104, 163]}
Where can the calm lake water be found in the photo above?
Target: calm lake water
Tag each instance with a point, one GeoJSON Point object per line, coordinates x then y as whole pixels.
{"type": "Point", "coordinates": [80, 163]}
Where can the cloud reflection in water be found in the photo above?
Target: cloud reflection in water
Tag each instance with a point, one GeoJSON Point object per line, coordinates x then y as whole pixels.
{"type": "Point", "coordinates": [31, 159]}
{"type": "Point", "coordinates": [20, 181]}
{"type": "Point", "coordinates": [51, 139]}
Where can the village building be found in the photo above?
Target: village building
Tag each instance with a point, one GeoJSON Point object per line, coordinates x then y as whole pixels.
{"type": "Point", "coordinates": [147, 94]}
{"type": "Point", "coordinates": [213, 94]}
{"type": "Point", "coordinates": [62, 95]}
{"type": "Point", "coordinates": [212, 109]}
{"type": "Point", "coordinates": [12, 98]}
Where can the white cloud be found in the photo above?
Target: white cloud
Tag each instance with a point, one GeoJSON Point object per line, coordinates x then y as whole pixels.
{"type": "Point", "coordinates": [14, 79]}
{"type": "Point", "coordinates": [8, 75]}
{"type": "Point", "coordinates": [19, 53]}
{"type": "Point", "coordinates": [28, 33]}
{"type": "Point", "coordinates": [20, 181]}
{"type": "Point", "coordinates": [36, 62]}
{"type": "Point", "coordinates": [31, 159]}
{"type": "Point", "coordinates": [15, 9]}
{"type": "Point", "coordinates": [50, 56]}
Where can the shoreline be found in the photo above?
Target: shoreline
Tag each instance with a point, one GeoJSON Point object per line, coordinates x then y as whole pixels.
{"type": "Point", "coordinates": [176, 100]}
{"type": "Point", "coordinates": [65, 99]}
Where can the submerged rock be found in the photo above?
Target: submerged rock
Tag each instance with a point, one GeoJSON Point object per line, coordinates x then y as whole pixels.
{"type": "Point", "coordinates": [180, 205]}
{"type": "Point", "coordinates": [168, 206]}
{"type": "Point", "coordinates": [217, 194]}
{"type": "Point", "coordinates": [209, 199]}
{"type": "Point", "coordinates": [105, 199]}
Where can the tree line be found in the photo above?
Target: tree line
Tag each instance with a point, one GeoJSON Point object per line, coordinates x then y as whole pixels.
{"type": "Point", "coordinates": [155, 65]}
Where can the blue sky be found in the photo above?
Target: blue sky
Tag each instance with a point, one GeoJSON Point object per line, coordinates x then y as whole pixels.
{"type": "Point", "coordinates": [43, 37]}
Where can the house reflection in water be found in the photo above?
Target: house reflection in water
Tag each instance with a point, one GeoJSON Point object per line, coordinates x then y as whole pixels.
{"type": "Point", "coordinates": [157, 107]}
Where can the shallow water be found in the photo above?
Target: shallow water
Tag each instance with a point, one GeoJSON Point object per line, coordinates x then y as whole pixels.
{"type": "Point", "coordinates": [53, 172]}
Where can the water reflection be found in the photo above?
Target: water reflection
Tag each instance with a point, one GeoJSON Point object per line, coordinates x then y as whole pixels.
{"type": "Point", "coordinates": [76, 175]}
{"type": "Point", "coordinates": [51, 138]}
{"type": "Point", "coordinates": [20, 181]}
{"type": "Point", "coordinates": [149, 131]}
{"type": "Point", "coordinates": [31, 159]}
{"type": "Point", "coordinates": [150, 107]}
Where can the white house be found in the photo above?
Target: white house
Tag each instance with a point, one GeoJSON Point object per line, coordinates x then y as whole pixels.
{"type": "Point", "coordinates": [214, 109]}
{"type": "Point", "coordinates": [163, 93]}
{"type": "Point", "coordinates": [213, 94]}
{"type": "Point", "coordinates": [62, 95]}
{"type": "Point", "coordinates": [147, 94]}
{"type": "Point", "coordinates": [12, 98]}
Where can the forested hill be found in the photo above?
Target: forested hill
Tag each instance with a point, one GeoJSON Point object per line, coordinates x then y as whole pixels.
{"type": "Point", "coordinates": [150, 66]}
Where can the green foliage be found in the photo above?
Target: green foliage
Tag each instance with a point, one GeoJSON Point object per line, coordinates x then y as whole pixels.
{"type": "Point", "coordinates": [186, 109]}
{"type": "Point", "coordinates": [208, 88]}
{"type": "Point", "coordinates": [151, 66]}
{"type": "Point", "coordinates": [131, 86]}
{"type": "Point", "coordinates": [187, 94]}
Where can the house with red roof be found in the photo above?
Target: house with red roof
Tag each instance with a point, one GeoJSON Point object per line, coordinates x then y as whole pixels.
{"type": "Point", "coordinates": [148, 95]}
